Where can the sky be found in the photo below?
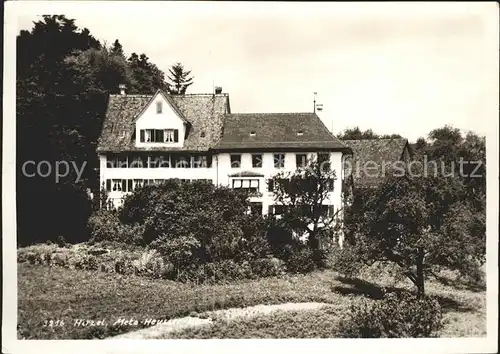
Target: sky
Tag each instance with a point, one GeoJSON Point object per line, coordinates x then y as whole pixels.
{"type": "Point", "coordinates": [403, 68]}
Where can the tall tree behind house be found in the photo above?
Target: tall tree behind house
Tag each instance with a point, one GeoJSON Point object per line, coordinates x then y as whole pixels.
{"type": "Point", "coordinates": [180, 79]}
{"type": "Point", "coordinates": [64, 76]}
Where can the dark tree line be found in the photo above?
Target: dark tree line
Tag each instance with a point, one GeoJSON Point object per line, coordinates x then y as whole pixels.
{"type": "Point", "coordinates": [64, 76]}
{"type": "Point", "coordinates": [357, 134]}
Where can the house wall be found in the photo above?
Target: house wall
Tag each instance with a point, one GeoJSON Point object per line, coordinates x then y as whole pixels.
{"type": "Point", "coordinates": [268, 171]}
{"type": "Point", "coordinates": [168, 119]}
{"type": "Point", "coordinates": [219, 174]}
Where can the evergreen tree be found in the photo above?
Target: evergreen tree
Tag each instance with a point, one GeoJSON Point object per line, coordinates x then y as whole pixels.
{"type": "Point", "coordinates": [117, 50]}
{"type": "Point", "coordinates": [180, 79]}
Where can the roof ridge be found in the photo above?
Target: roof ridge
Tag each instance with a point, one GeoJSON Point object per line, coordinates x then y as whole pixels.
{"type": "Point", "coordinates": [130, 95]}
{"type": "Point", "coordinates": [282, 113]}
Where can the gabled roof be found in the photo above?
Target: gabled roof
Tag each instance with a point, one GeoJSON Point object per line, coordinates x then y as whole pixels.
{"type": "Point", "coordinates": [204, 112]}
{"type": "Point", "coordinates": [379, 151]}
{"type": "Point", "coordinates": [277, 131]}
{"type": "Point", "coordinates": [169, 100]}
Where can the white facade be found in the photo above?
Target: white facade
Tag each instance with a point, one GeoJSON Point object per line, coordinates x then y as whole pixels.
{"type": "Point", "coordinates": [160, 115]}
{"type": "Point", "coordinates": [160, 131]}
{"type": "Point", "coordinates": [220, 173]}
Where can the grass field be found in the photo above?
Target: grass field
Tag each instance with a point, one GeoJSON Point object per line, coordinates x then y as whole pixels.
{"type": "Point", "coordinates": [64, 295]}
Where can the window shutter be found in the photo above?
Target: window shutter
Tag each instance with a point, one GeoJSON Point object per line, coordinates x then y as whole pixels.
{"type": "Point", "coordinates": [108, 185]}
{"type": "Point", "coordinates": [124, 185]}
{"type": "Point", "coordinates": [209, 161]}
{"type": "Point", "coordinates": [176, 136]}
{"type": "Point", "coordinates": [270, 209]}
{"type": "Point", "coordinates": [130, 186]}
{"type": "Point", "coordinates": [270, 185]}
{"type": "Point", "coordinates": [142, 135]}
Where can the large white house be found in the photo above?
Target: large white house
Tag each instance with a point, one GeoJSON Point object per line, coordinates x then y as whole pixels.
{"type": "Point", "coordinates": [150, 138]}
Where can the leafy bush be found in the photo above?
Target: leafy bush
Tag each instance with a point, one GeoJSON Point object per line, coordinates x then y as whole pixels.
{"type": "Point", "coordinates": [300, 260]}
{"type": "Point", "coordinates": [346, 261]}
{"type": "Point", "coordinates": [268, 267]}
{"type": "Point", "coordinates": [396, 316]}
{"type": "Point", "coordinates": [192, 224]}
{"type": "Point", "coordinates": [105, 225]}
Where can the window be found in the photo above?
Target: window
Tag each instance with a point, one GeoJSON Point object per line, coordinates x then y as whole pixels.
{"type": "Point", "coordinates": [164, 161]}
{"type": "Point", "coordinates": [199, 161]}
{"type": "Point", "coordinates": [137, 183]}
{"type": "Point", "coordinates": [159, 135]}
{"type": "Point", "coordinates": [158, 107]}
{"type": "Point", "coordinates": [300, 133]}
{"type": "Point", "coordinates": [323, 158]}
{"type": "Point", "coordinates": [256, 208]}
{"type": "Point", "coordinates": [112, 161]}
{"type": "Point", "coordinates": [252, 133]}
{"type": "Point", "coordinates": [183, 162]}
{"type": "Point", "coordinates": [169, 135]}
{"type": "Point", "coordinates": [270, 185]}
{"type": "Point", "coordinates": [279, 160]}
{"type": "Point", "coordinates": [301, 160]}
{"type": "Point", "coordinates": [329, 185]}
{"type": "Point", "coordinates": [138, 162]}
{"type": "Point", "coordinates": [117, 185]}
{"type": "Point", "coordinates": [277, 209]}
{"type": "Point", "coordinates": [326, 211]}
{"type": "Point", "coordinates": [153, 162]}
{"type": "Point", "coordinates": [256, 160]}
{"type": "Point", "coordinates": [235, 160]}
{"type": "Point", "coordinates": [251, 185]}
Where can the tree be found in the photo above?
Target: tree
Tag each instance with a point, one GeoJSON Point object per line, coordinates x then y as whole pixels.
{"type": "Point", "coordinates": [179, 79]}
{"type": "Point", "coordinates": [49, 124]}
{"type": "Point", "coordinates": [63, 78]}
{"type": "Point", "coordinates": [358, 134]}
{"type": "Point", "coordinates": [426, 219]}
{"type": "Point", "coordinates": [303, 194]}
{"type": "Point", "coordinates": [146, 75]}
{"type": "Point", "coordinates": [197, 222]}
{"type": "Point", "coordinates": [117, 49]}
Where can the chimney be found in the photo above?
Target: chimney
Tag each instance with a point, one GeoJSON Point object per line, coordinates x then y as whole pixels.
{"type": "Point", "coordinates": [218, 90]}
{"type": "Point", "coordinates": [122, 88]}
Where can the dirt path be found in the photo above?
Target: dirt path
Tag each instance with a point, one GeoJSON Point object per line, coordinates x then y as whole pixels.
{"type": "Point", "coordinates": [207, 318]}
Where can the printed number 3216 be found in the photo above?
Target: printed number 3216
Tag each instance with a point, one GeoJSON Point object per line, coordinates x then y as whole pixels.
{"type": "Point", "coordinates": [53, 323]}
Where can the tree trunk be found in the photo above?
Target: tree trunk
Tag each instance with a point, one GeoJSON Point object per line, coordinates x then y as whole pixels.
{"type": "Point", "coordinates": [420, 273]}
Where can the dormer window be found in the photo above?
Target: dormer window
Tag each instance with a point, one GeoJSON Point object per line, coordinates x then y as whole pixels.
{"type": "Point", "coordinates": [252, 133]}
{"type": "Point", "coordinates": [169, 135]}
{"type": "Point", "coordinates": [159, 135]}
{"type": "Point", "coordinates": [300, 133]}
{"type": "Point", "coordinates": [159, 107]}
{"type": "Point", "coordinates": [202, 134]}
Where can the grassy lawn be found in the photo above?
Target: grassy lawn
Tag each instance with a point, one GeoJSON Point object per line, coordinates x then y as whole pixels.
{"type": "Point", "coordinates": [56, 293]}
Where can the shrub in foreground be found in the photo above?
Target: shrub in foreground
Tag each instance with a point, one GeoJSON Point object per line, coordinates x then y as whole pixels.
{"type": "Point", "coordinates": [395, 316]}
{"type": "Point", "coordinates": [104, 225]}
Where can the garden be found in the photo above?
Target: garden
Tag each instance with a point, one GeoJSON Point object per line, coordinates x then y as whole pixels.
{"type": "Point", "coordinates": [188, 249]}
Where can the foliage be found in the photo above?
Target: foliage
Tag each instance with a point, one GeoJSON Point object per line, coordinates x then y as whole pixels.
{"type": "Point", "coordinates": [357, 134]}
{"type": "Point", "coordinates": [104, 225]}
{"type": "Point", "coordinates": [303, 194]}
{"type": "Point", "coordinates": [396, 316]}
{"type": "Point", "coordinates": [196, 223]}
{"type": "Point", "coordinates": [147, 76]}
{"type": "Point", "coordinates": [301, 260]}
{"type": "Point", "coordinates": [180, 79]}
{"type": "Point", "coordinates": [63, 77]}
{"type": "Point", "coordinates": [425, 220]}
